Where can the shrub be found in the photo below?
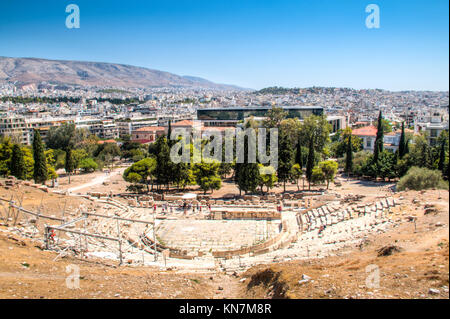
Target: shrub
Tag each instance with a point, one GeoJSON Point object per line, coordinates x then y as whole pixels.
{"type": "Point", "coordinates": [418, 178]}
{"type": "Point", "coordinates": [361, 161]}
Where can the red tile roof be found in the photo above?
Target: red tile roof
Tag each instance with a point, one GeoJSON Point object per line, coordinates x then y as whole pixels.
{"type": "Point", "coordinates": [106, 141]}
{"type": "Point", "coordinates": [143, 141]}
{"type": "Point", "coordinates": [183, 123]}
{"type": "Point", "coordinates": [218, 128]}
{"type": "Point", "coordinates": [150, 129]}
{"type": "Point", "coordinates": [365, 131]}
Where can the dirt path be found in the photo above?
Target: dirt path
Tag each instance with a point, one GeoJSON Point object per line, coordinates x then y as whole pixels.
{"type": "Point", "coordinates": [226, 287]}
{"type": "Point", "coordinates": [97, 180]}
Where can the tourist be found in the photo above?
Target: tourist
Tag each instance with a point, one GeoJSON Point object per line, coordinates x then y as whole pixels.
{"type": "Point", "coordinates": [52, 235]}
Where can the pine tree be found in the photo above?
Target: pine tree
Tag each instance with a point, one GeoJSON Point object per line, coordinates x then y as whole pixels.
{"type": "Point", "coordinates": [40, 163]}
{"type": "Point", "coordinates": [207, 175]}
{"type": "Point", "coordinates": [349, 156]}
{"type": "Point", "coordinates": [17, 163]}
{"type": "Point", "coordinates": [402, 143]}
{"type": "Point", "coordinates": [310, 162]}
{"type": "Point", "coordinates": [69, 164]}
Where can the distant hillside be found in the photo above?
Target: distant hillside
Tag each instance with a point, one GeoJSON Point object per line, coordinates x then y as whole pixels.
{"type": "Point", "coordinates": [281, 90]}
{"type": "Point", "coordinates": [278, 90]}
{"type": "Point", "coordinates": [33, 70]}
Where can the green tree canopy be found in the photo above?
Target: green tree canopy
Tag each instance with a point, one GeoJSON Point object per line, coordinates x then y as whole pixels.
{"type": "Point", "coordinates": [207, 175]}
{"type": "Point", "coordinates": [317, 129]}
{"type": "Point", "coordinates": [141, 172]}
{"type": "Point", "coordinates": [274, 117]}
{"type": "Point", "coordinates": [6, 148]}
{"type": "Point", "coordinates": [65, 136]}
{"type": "Point", "coordinates": [329, 170]}
{"type": "Point", "coordinates": [268, 177]}
{"type": "Point", "coordinates": [88, 164]}
{"type": "Point", "coordinates": [296, 173]}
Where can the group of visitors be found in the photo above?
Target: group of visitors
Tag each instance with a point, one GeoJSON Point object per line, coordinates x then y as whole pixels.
{"type": "Point", "coordinates": [165, 208]}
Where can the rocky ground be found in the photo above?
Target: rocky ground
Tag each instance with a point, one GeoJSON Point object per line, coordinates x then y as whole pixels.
{"type": "Point", "coordinates": [412, 261]}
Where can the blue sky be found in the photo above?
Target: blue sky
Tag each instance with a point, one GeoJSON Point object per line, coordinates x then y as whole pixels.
{"type": "Point", "coordinates": [250, 43]}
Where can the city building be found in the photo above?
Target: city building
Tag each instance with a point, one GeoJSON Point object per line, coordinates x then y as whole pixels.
{"type": "Point", "coordinates": [22, 129]}
{"type": "Point", "coordinates": [368, 134]}
{"type": "Point", "coordinates": [148, 134]}
{"type": "Point", "coordinates": [129, 125]}
{"type": "Point", "coordinates": [233, 115]}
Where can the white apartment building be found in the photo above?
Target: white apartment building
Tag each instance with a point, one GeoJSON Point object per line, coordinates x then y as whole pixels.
{"type": "Point", "coordinates": [433, 122]}
{"type": "Point", "coordinates": [129, 125]}
{"type": "Point", "coordinates": [105, 129]}
{"type": "Point", "coordinates": [23, 128]}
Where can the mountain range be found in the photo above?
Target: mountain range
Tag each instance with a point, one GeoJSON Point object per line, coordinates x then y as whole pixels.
{"type": "Point", "coordinates": [35, 70]}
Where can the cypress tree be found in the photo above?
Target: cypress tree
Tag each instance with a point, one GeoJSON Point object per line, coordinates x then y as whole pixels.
{"type": "Point", "coordinates": [285, 158]}
{"type": "Point", "coordinates": [69, 164]}
{"type": "Point", "coordinates": [406, 146]}
{"type": "Point", "coordinates": [378, 147]}
{"type": "Point", "coordinates": [349, 156]}
{"type": "Point", "coordinates": [310, 162]}
{"type": "Point", "coordinates": [17, 162]}
{"type": "Point", "coordinates": [237, 173]}
{"type": "Point", "coordinates": [163, 170]}
{"type": "Point", "coordinates": [169, 132]}
{"type": "Point", "coordinates": [40, 163]}
{"type": "Point", "coordinates": [298, 154]}
{"type": "Point", "coordinates": [402, 143]}
{"type": "Point", "coordinates": [441, 157]}
{"type": "Point", "coordinates": [169, 129]}
{"type": "Point", "coordinates": [247, 174]}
